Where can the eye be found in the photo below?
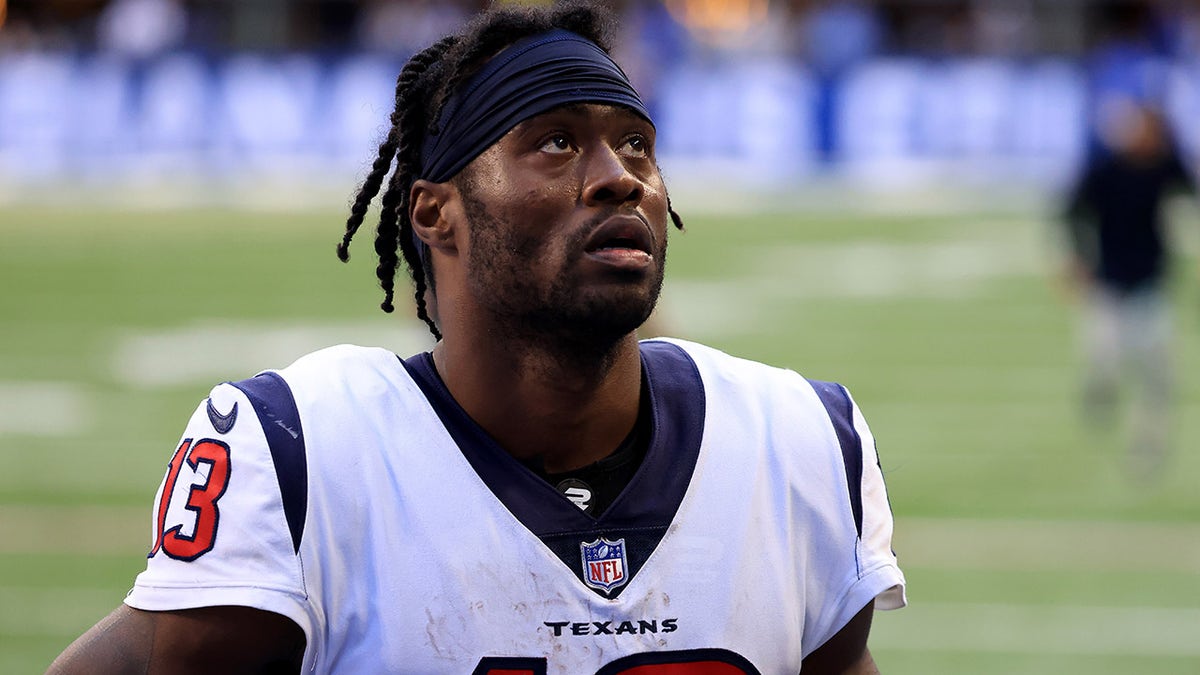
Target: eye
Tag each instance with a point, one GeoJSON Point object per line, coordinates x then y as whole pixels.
{"type": "Point", "coordinates": [556, 143]}
{"type": "Point", "coordinates": [635, 146]}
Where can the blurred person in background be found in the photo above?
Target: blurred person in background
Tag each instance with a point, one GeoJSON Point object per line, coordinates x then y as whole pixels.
{"type": "Point", "coordinates": [835, 36]}
{"type": "Point", "coordinates": [138, 32]}
{"type": "Point", "coordinates": [1127, 64]}
{"type": "Point", "coordinates": [141, 29]}
{"type": "Point", "coordinates": [1119, 261]}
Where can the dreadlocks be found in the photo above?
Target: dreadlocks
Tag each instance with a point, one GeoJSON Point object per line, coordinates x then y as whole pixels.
{"type": "Point", "coordinates": [425, 84]}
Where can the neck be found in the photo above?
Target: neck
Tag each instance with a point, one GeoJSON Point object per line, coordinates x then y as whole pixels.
{"type": "Point", "coordinates": [567, 403]}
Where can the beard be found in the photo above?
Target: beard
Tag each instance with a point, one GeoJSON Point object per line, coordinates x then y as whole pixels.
{"type": "Point", "coordinates": [555, 309]}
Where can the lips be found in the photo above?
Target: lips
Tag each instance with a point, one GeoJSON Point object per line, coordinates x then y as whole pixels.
{"type": "Point", "coordinates": [621, 233]}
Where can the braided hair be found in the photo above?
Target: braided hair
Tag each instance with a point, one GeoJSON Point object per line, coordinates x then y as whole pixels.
{"type": "Point", "coordinates": [424, 85]}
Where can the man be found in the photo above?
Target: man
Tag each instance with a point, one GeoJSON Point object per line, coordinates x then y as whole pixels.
{"type": "Point", "coordinates": [540, 493]}
{"type": "Point", "coordinates": [1118, 255]}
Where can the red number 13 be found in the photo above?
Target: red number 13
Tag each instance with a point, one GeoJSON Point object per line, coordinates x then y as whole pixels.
{"type": "Point", "coordinates": [201, 500]}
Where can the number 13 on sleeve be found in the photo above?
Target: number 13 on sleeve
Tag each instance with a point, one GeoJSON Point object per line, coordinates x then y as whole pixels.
{"type": "Point", "coordinates": [202, 515]}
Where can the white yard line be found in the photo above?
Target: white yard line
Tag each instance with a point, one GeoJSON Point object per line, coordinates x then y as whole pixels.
{"type": "Point", "coordinates": [872, 268]}
{"type": "Point", "coordinates": [212, 351]}
{"type": "Point", "coordinates": [863, 269]}
{"type": "Point", "coordinates": [44, 408]}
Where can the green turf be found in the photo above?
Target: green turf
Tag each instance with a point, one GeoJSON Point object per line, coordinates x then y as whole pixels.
{"type": "Point", "coordinates": [967, 376]}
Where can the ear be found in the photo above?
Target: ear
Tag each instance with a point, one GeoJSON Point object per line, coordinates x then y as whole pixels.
{"type": "Point", "coordinates": [435, 210]}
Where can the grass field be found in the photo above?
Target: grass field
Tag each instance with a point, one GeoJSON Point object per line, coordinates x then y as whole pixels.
{"type": "Point", "coordinates": [1028, 548]}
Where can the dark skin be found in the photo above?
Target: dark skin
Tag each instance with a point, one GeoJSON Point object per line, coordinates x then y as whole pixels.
{"type": "Point", "coordinates": [235, 640]}
{"type": "Point", "coordinates": [551, 177]}
{"type": "Point", "coordinates": [574, 201]}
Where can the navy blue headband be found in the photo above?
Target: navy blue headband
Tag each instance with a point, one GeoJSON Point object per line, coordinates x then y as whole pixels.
{"type": "Point", "coordinates": [532, 76]}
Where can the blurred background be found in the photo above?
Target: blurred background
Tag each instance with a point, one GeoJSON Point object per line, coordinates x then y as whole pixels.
{"type": "Point", "coordinates": [874, 192]}
{"type": "Point", "coordinates": [885, 91]}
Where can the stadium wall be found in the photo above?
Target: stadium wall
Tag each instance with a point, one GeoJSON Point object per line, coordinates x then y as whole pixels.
{"type": "Point", "coordinates": [769, 120]}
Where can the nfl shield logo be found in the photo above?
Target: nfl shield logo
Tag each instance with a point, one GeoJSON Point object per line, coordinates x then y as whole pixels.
{"type": "Point", "coordinates": [604, 566]}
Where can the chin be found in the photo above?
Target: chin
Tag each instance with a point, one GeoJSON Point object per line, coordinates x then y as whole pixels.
{"type": "Point", "coordinates": [594, 323]}
{"type": "Point", "coordinates": [620, 313]}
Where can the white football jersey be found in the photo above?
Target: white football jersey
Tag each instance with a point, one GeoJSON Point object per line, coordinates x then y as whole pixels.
{"type": "Point", "coordinates": [350, 493]}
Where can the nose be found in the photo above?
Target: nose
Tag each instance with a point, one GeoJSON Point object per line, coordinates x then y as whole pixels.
{"type": "Point", "coordinates": [609, 180]}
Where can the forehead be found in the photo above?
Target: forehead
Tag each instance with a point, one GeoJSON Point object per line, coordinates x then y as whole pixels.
{"type": "Point", "coordinates": [599, 113]}
{"type": "Point", "coordinates": [581, 120]}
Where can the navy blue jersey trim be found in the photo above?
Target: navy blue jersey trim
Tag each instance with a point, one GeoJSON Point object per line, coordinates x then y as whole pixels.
{"type": "Point", "coordinates": [276, 408]}
{"type": "Point", "coordinates": [644, 509]}
{"type": "Point", "coordinates": [677, 403]}
{"type": "Point", "coordinates": [538, 505]}
{"type": "Point", "coordinates": [837, 403]}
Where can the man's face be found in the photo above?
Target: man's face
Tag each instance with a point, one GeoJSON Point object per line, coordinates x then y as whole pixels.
{"type": "Point", "coordinates": [568, 225]}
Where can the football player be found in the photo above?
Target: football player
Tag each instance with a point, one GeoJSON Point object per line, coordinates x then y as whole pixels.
{"type": "Point", "coordinates": [540, 493]}
{"type": "Point", "coordinates": [1118, 260]}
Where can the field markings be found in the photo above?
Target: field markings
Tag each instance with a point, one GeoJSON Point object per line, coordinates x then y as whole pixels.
{"type": "Point", "coordinates": [40, 408]}
{"type": "Point", "coordinates": [213, 351]}
{"type": "Point", "coordinates": [867, 269]}
{"type": "Point", "coordinates": [873, 268]}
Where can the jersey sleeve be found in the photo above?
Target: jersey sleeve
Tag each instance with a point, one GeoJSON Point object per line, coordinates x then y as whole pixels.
{"type": "Point", "coordinates": [875, 540]}
{"type": "Point", "coordinates": [227, 518]}
{"type": "Point", "coordinates": [867, 570]}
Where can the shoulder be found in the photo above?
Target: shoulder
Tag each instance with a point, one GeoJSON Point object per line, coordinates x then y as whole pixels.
{"type": "Point", "coordinates": [740, 393]}
{"type": "Point", "coordinates": [813, 419]}
{"type": "Point", "coordinates": [316, 377]}
{"type": "Point", "coordinates": [725, 375]}
{"type": "Point", "coordinates": [340, 361]}
{"type": "Point", "coordinates": [714, 363]}
{"type": "Point", "coordinates": [342, 372]}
